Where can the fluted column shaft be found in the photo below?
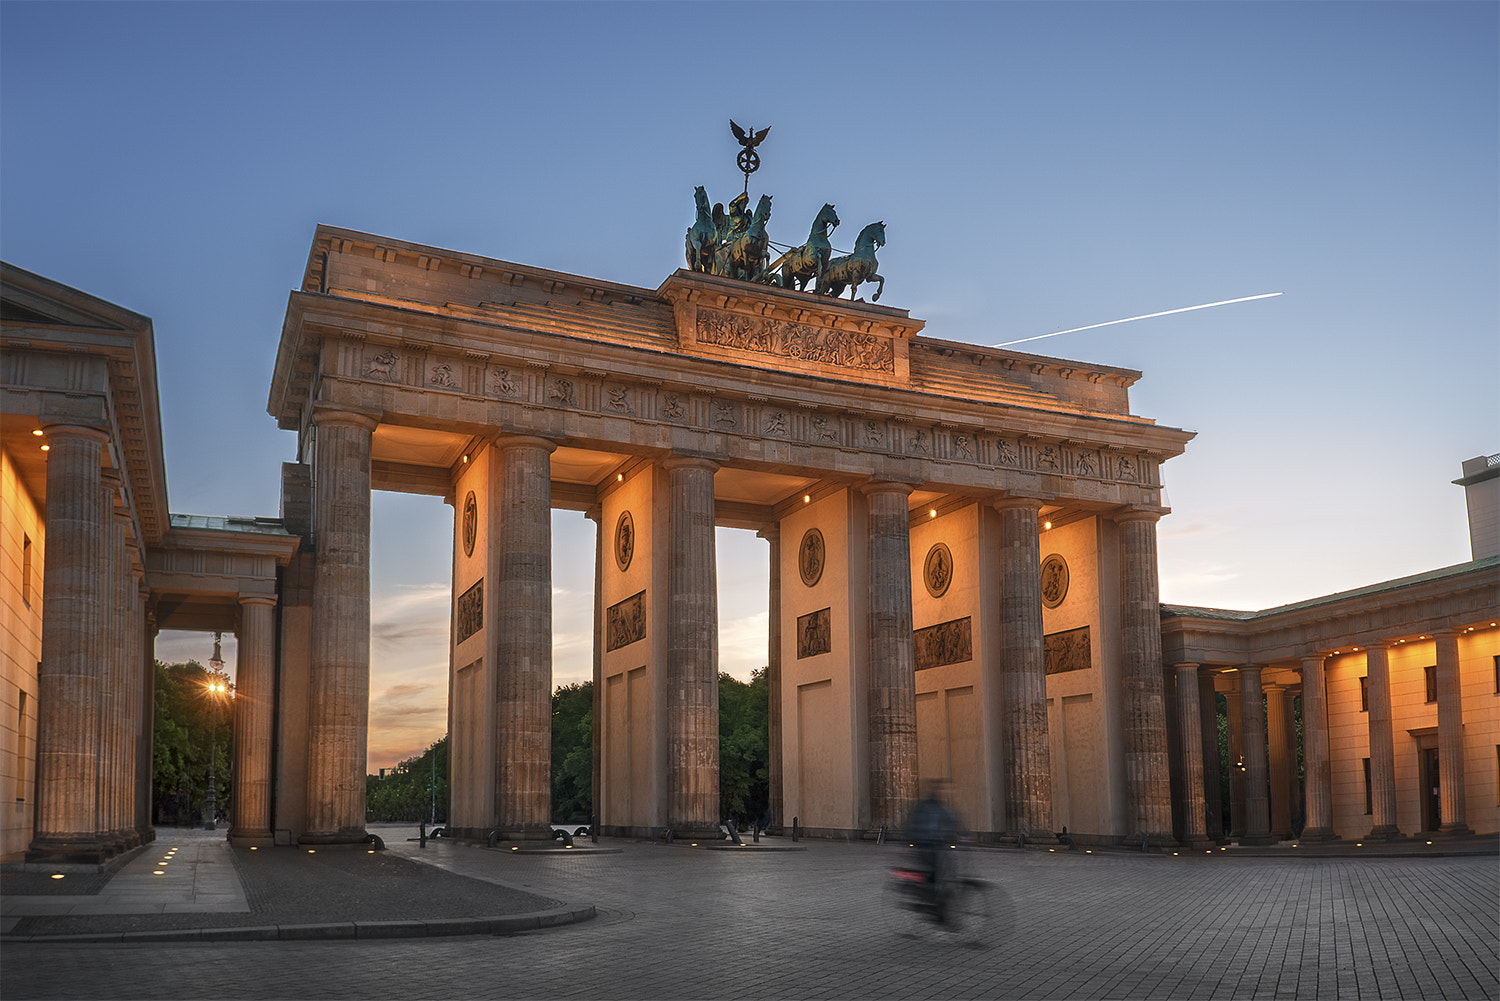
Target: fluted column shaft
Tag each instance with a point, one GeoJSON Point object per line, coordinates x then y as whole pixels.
{"type": "Point", "coordinates": [1236, 720]}
{"type": "Point", "coordinates": [339, 674]}
{"type": "Point", "coordinates": [1382, 743]}
{"type": "Point", "coordinates": [1317, 762]}
{"type": "Point", "coordinates": [68, 676]}
{"type": "Point", "coordinates": [254, 695]}
{"type": "Point", "coordinates": [117, 702]}
{"type": "Point", "coordinates": [1190, 736]}
{"type": "Point", "coordinates": [1213, 790]}
{"type": "Point", "coordinates": [1253, 733]}
{"type": "Point", "coordinates": [772, 534]}
{"type": "Point", "coordinates": [1023, 677]}
{"type": "Point", "coordinates": [1278, 746]}
{"type": "Point", "coordinates": [893, 691]}
{"type": "Point", "coordinates": [692, 649]}
{"type": "Point", "coordinates": [1450, 737]}
{"type": "Point", "coordinates": [145, 695]}
{"type": "Point", "coordinates": [1148, 782]}
{"type": "Point", "coordinates": [522, 638]}
{"type": "Point", "coordinates": [110, 704]}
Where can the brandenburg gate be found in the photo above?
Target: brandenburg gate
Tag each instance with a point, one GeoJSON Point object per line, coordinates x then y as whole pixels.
{"type": "Point", "coordinates": [963, 567]}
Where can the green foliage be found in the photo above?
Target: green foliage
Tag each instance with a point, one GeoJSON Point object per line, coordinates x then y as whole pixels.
{"type": "Point", "coordinates": [184, 723]}
{"type": "Point", "coordinates": [415, 789]}
{"type": "Point", "coordinates": [573, 753]}
{"type": "Point", "coordinates": [744, 741]}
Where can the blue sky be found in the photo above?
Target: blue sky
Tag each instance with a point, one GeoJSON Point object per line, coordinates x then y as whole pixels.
{"type": "Point", "coordinates": [1038, 167]}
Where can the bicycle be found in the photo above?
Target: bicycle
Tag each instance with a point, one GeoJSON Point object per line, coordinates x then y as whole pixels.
{"type": "Point", "coordinates": [956, 906]}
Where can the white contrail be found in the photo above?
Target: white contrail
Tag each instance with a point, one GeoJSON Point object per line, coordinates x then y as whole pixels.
{"type": "Point", "coordinates": [1143, 316]}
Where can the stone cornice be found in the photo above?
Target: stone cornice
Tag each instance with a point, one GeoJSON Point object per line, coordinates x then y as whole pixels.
{"type": "Point", "coordinates": [1450, 598]}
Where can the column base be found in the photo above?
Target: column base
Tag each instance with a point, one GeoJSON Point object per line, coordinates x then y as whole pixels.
{"type": "Point", "coordinates": [1455, 830]}
{"type": "Point", "coordinates": [1384, 832]}
{"type": "Point", "coordinates": [1317, 834]}
{"type": "Point", "coordinates": [252, 839]}
{"type": "Point", "coordinates": [69, 851]}
{"type": "Point", "coordinates": [1258, 839]}
{"type": "Point", "coordinates": [524, 832]}
{"type": "Point", "coordinates": [346, 838]}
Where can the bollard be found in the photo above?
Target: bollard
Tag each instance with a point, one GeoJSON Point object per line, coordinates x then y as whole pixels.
{"type": "Point", "coordinates": [1021, 839]}
{"type": "Point", "coordinates": [494, 838]}
{"type": "Point", "coordinates": [1145, 842]}
{"type": "Point", "coordinates": [755, 832]}
{"type": "Point", "coordinates": [422, 834]}
{"type": "Point", "coordinates": [734, 831]}
{"type": "Point", "coordinates": [795, 831]}
{"type": "Point", "coordinates": [594, 829]}
{"type": "Point", "coordinates": [881, 839]}
{"type": "Point", "coordinates": [667, 837]}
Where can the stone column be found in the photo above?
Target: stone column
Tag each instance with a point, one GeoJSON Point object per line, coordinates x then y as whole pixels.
{"type": "Point", "coordinates": [1213, 790]}
{"type": "Point", "coordinates": [1190, 736]}
{"type": "Point", "coordinates": [254, 697]}
{"type": "Point", "coordinates": [1236, 721]}
{"type": "Point", "coordinates": [772, 534]}
{"type": "Point", "coordinates": [339, 673]}
{"type": "Point", "coordinates": [893, 681]}
{"type": "Point", "coordinates": [1148, 783]}
{"type": "Point", "coordinates": [1317, 764]}
{"type": "Point", "coordinates": [522, 489]}
{"type": "Point", "coordinates": [1253, 732]}
{"type": "Point", "coordinates": [110, 823]}
{"type": "Point", "coordinates": [145, 694]}
{"type": "Point", "coordinates": [1382, 743]}
{"type": "Point", "coordinates": [68, 676]}
{"type": "Point", "coordinates": [692, 650]}
{"type": "Point", "coordinates": [1450, 736]}
{"type": "Point", "coordinates": [1278, 746]}
{"type": "Point", "coordinates": [596, 787]}
{"type": "Point", "coordinates": [117, 700]}
{"type": "Point", "coordinates": [1023, 678]}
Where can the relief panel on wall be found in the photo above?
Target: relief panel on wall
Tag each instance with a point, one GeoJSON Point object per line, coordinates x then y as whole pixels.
{"type": "Point", "coordinates": [1067, 651]}
{"type": "Point", "coordinates": [626, 622]}
{"type": "Point", "coordinates": [945, 643]}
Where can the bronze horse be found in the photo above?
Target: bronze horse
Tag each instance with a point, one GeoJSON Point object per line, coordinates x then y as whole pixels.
{"type": "Point", "coordinates": [805, 263]}
{"type": "Point", "coordinates": [702, 235]}
{"type": "Point", "coordinates": [744, 256]}
{"type": "Point", "coordinates": [849, 272]}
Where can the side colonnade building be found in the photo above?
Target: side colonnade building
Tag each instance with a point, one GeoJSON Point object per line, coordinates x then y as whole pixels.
{"type": "Point", "coordinates": [963, 571]}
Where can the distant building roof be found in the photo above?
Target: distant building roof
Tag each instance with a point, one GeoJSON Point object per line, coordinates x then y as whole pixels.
{"type": "Point", "coordinates": [230, 523]}
{"type": "Point", "coordinates": [1231, 615]}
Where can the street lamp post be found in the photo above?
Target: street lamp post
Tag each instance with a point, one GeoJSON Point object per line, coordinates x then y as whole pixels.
{"type": "Point", "coordinates": [216, 688]}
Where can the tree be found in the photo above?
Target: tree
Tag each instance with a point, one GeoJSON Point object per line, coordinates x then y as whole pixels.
{"type": "Point", "coordinates": [744, 741]}
{"type": "Point", "coordinates": [573, 753]}
{"type": "Point", "coordinates": [183, 725]}
{"type": "Point", "coordinates": [414, 790]}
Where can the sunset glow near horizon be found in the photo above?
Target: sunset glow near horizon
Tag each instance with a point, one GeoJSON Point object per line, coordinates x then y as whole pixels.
{"type": "Point", "coordinates": [1039, 167]}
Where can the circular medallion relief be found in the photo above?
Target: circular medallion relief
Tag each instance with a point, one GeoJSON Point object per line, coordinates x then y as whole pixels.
{"type": "Point", "coordinates": [810, 557]}
{"type": "Point", "coordinates": [624, 540]}
{"type": "Point", "coordinates": [471, 523]}
{"type": "Point", "coordinates": [937, 570]}
{"type": "Point", "coordinates": [1054, 580]}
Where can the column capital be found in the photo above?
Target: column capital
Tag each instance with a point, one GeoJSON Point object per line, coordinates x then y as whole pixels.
{"type": "Point", "coordinates": [101, 435]}
{"type": "Point", "coordinates": [324, 413]}
{"type": "Point", "coordinates": [1138, 513]}
{"type": "Point", "coordinates": [886, 487]}
{"type": "Point", "coordinates": [1188, 664]}
{"type": "Point", "coordinates": [1006, 501]}
{"type": "Point", "coordinates": [770, 533]}
{"type": "Point", "coordinates": [258, 599]}
{"type": "Point", "coordinates": [1310, 659]}
{"type": "Point", "coordinates": [504, 441]}
{"type": "Point", "coordinates": [675, 461]}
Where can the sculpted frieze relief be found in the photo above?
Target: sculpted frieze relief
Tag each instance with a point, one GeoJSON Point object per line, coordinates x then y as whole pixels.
{"type": "Point", "coordinates": [535, 385]}
{"type": "Point", "coordinates": [788, 339]}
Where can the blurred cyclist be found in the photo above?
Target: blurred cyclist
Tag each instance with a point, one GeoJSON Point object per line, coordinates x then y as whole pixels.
{"type": "Point", "coordinates": [933, 830]}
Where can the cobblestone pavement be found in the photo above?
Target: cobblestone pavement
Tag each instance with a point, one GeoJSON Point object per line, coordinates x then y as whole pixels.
{"type": "Point", "coordinates": [678, 922]}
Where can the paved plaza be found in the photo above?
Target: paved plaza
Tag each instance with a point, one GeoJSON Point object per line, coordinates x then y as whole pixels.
{"type": "Point", "coordinates": [678, 922]}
